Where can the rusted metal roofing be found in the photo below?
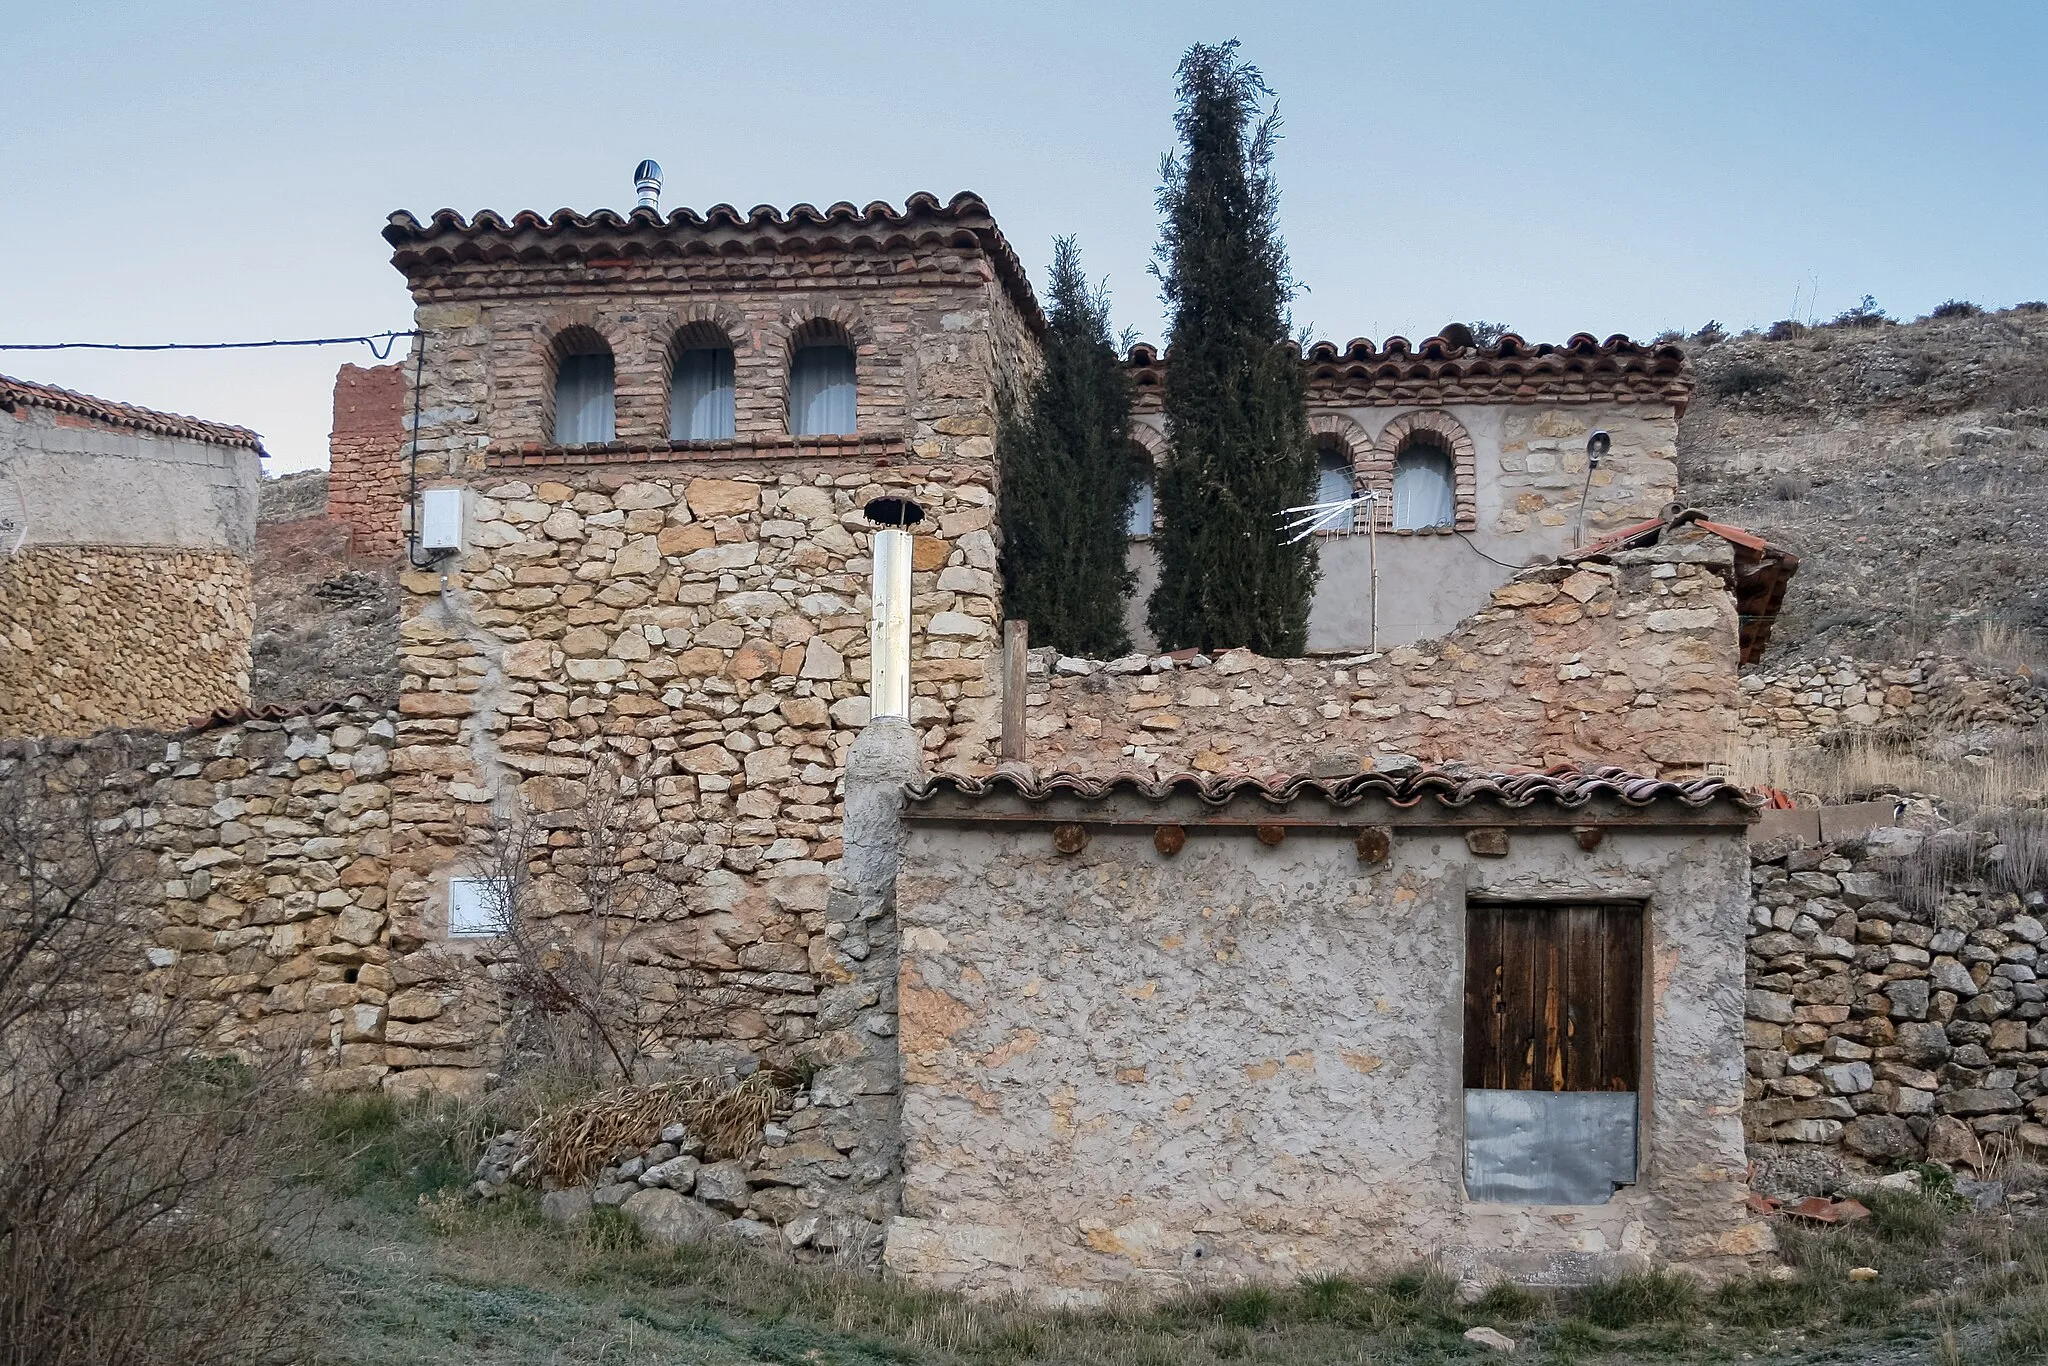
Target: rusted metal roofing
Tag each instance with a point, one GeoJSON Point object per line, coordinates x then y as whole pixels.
{"type": "Point", "coordinates": [1565, 787]}
{"type": "Point", "coordinates": [26, 393]}
{"type": "Point", "coordinates": [1762, 571]}
{"type": "Point", "coordinates": [608, 237]}
{"type": "Point", "coordinates": [1511, 370]}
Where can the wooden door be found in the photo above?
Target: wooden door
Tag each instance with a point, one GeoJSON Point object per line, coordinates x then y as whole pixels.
{"type": "Point", "coordinates": [1553, 997]}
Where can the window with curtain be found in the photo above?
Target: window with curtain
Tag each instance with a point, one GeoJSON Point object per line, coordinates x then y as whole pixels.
{"type": "Point", "coordinates": [1334, 483]}
{"type": "Point", "coordinates": [821, 390]}
{"type": "Point", "coordinates": [1140, 523]}
{"type": "Point", "coordinates": [700, 396]}
{"type": "Point", "coordinates": [1424, 488]}
{"type": "Point", "coordinates": [584, 414]}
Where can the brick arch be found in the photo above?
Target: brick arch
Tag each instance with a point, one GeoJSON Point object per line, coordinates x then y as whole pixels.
{"type": "Point", "coordinates": [1155, 443]}
{"type": "Point", "coordinates": [813, 318]}
{"type": "Point", "coordinates": [696, 324]}
{"type": "Point", "coordinates": [569, 333]}
{"type": "Point", "coordinates": [1404, 431]}
{"type": "Point", "coordinates": [1357, 444]}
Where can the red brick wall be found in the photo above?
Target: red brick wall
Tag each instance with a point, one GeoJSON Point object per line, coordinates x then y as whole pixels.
{"type": "Point", "coordinates": [364, 480]}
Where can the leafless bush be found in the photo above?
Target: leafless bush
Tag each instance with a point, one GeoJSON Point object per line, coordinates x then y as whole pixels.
{"type": "Point", "coordinates": [1784, 330]}
{"type": "Point", "coordinates": [1748, 377]}
{"type": "Point", "coordinates": [138, 1199]}
{"type": "Point", "coordinates": [569, 919]}
{"type": "Point", "coordinates": [1789, 488]}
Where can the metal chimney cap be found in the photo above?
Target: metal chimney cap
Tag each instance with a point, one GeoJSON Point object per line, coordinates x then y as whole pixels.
{"type": "Point", "coordinates": [896, 512]}
{"type": "Point", "coordinates": [647, 170]}
{"type": "Point", "coordinates": [647, 185]}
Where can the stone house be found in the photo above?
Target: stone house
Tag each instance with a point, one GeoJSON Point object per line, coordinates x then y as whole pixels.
{"type": "Point", "coordinates": [125, 537]}
{"type": "Point", "coordinates": [1482, 460]}
{"type": "Point", "coordinates": [652, 455]}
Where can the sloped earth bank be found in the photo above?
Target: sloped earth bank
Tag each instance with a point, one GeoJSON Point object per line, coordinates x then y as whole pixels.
{"type": "Point", "coordinates": [408, 1270]}
{"type": "Point", "coordinates": [1907, 466]}
{"type": "Point", "coordinates": [326, 621]}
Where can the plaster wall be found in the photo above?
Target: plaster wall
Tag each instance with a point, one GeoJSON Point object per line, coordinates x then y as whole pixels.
{"type": "Point", "coordinates": [1121, 1070]}
{"type": "Point", "coordinates": [86, 483]}
{"type": "Point", "coordinates": [1528, 478]}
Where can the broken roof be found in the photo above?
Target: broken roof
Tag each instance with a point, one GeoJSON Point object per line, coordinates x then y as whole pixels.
{"type": "Point", "coordinates": [1762, 571]}
{"type": "Point", "coordinates": [26, 393]}
{"type": "Point", "coordinates": [528, 237]}
{"type": "Point", "coordinates": [1511, 370]}
{"type": "Point", "coordinates": [1564, 790]}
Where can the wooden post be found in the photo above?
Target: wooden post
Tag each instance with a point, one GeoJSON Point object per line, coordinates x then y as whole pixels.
{"type": "Point", "coordinates": [1016, 643]}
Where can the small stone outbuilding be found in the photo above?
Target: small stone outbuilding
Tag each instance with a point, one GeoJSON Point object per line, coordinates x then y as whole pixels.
{"type": "Point", "coordinates": [1155, 1033]}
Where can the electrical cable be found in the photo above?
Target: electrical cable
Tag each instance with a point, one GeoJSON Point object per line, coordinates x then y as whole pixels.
{"type": "Point", "coordinates": [1482, 554]}
{"type": "Point", "coordinates": [412, 463]}
{"type": "Point", "coordinates": [389, 340]}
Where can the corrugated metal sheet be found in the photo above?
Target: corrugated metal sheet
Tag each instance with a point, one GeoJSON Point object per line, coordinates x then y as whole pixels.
{"type": "Point", "coordinates": [1548, 1147]}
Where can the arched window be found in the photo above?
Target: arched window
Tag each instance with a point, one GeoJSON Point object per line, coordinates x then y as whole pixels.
{"type": "Point", "coordinates": [584, 414]}
{"type": "Point", "coordinates": [700, 395]}
{"type": "Point", "coordinates": [1140, 523]}
{"type": "Point", "coordinates": [1425, 487]}
{"type": "Point", "coordinates": [821, 385]}
{"type": "Point", "coordinates": [1334, 481]}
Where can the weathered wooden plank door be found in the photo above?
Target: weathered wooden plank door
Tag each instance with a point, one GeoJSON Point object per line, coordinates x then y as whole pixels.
{"type": "Point", "coordinates": [1553, 997]}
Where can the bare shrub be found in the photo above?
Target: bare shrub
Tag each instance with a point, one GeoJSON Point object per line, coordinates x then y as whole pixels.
{"type": "Point", "coordinates": [1710, 333]}
{"type": "Point", "coordinates": [1748, 377]}
{"type": "Point", "coordinates": [138, 1194]}
{"type": "Point", "coordinates": [1866, 313]}
{"type": "Point", "coordinates": [1785, 329]}
{"type": "Point", "coordinates": [1921, 879]}
{"type": "Point", "coordinates": [1789, 487]}
{"type": "Point", "coordinates": [570, 920]}
{"type": "Point", "coordinates": [1956, 308]}
{"type": "Point", "coordinates": [2021, 853]}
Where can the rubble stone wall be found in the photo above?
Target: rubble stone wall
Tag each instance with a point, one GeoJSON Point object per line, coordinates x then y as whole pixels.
{"type": "Point", "coordinates": [1895, 1011]}
{"type": "Point", "coordinates": [1934, 692]}
{"type": "Point", "coordinates": [268, 894]}
{"type": "Point", "coordinates": [1630, 663]}
{"type": "Point", "coordinates": [93, 637]}
{"type": "Point", "coordinates": [365, 476]}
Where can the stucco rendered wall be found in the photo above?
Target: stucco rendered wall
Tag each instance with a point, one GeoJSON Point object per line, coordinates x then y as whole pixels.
{"type": "Point", "coordinates": [89, 483]}
{"type": "Point", "coordinates": [1529, 476]}
{"type": "Point", "coordinates": [1244, 1063]}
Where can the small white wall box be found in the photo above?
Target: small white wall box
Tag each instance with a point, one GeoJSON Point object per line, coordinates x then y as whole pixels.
{"type": "Point", "coordinates": [441, 519]}
{"type": "Point", "coordinates": [472, 909]}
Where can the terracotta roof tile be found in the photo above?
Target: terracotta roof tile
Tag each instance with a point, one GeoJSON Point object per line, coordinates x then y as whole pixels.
{"type": "Point", "coordinates": [15, 392]}
{"type": "Point", "coordinates": [1564, 787]}
{"type": "Point", "coordinates": [447, 237]}
{"type": "Point", "coordinates": [1436, 371]}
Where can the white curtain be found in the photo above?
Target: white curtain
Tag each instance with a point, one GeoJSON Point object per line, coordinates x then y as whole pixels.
{"type": "Point", "coordinates": [583, 401]}
{"type": "Point", "coordinates": [700, 396]}
{"type": "Point", "coordinates": [1333, 484]}
{"type": "Point", "coordinates": [1140, 523]}
{"type": "Point", "coordinates": [821, 394]}
{"type": "Point", "coordinates": [1424, 489]}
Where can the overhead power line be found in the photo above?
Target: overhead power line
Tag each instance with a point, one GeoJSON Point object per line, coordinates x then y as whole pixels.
{"type": "Point", "coordinates": [380, 344]}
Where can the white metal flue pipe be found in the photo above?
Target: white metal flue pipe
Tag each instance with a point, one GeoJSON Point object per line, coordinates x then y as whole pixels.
{"type": "Point", "coordinates": [889, 633]}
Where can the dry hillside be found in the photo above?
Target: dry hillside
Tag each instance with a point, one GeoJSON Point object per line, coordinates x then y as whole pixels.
{"type": "Point", "coordinates": [1907, 465]}
{"type": "Point", "coordinates": [326, 622]}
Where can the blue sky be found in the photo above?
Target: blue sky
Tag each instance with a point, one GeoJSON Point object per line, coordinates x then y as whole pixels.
{"type": "Point", "coordinates": [211, 172]}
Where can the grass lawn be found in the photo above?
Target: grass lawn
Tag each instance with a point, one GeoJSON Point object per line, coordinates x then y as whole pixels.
{"type": "Point", "coordinates": [404, 1271]}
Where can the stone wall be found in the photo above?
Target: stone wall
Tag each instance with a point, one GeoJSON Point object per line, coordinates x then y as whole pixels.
{"type": "Point", "coordinates": [96, 636]}
{"type": "Point", "coordinates": [1629, 663]}
{"type": "Point", "coordinates": [703, 637]}
{"type": "Point", "coordinates": [1805, 700]}
{"type": "Point", "coordinates": [1894, 1006]}
{"type": "Point", "coordinates": [365, 476]}
{"type": "Point", "coordinates": [267, 901]}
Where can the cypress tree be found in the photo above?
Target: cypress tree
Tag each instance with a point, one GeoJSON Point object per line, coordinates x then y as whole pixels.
{"type": "Point", "coordinates": [1069, 478]}
{"type": "Point", "coordinates": [1235, 406]}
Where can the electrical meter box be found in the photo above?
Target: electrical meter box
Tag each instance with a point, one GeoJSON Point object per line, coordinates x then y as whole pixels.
{"type": "Point", "coordinates": [440, 519]}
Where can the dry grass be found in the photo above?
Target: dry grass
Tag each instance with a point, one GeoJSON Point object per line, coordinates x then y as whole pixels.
{"type": "Point", "coordinates": [572, 1141]}
{"type": "Point", "coordinates": [1966, 773]}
